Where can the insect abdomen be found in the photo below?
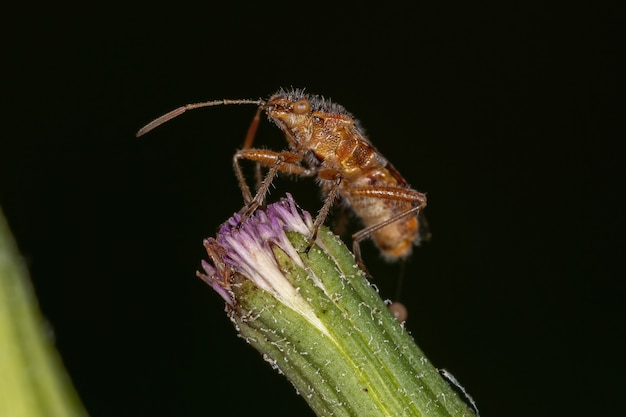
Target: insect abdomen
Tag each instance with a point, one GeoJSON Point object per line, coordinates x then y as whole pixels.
{"type": "Point", "coordinates": [395, 241]}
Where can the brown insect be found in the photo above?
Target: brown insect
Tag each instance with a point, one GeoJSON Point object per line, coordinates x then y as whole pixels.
{"type": "Point", "coordinates": [327, 142]}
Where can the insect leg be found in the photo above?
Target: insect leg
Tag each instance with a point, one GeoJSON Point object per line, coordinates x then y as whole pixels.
{"type": "Point", "coordinates": [284, 161]}
{"type": "Point", "coordinates": [368, 231]}
{"type": "Point", "coordinates": [247, 144]}
{"type": "Point", "coordinates": [254, 125]}
{"type": "Point", "coordinates": [322, 214]}
{"type": "Point", "coordinates": [241, 179]}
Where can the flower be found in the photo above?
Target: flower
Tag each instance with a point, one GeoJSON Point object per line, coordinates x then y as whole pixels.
{"type": "Point", "coordinates": [246, 249]}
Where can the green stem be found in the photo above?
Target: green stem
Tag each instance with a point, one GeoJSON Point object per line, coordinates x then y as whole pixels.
{"type": "Point", "coordinates": [360, 361]}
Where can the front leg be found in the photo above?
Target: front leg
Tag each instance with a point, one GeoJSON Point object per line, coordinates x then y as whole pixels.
{"type": "Point", "coordinates": [283, 161]}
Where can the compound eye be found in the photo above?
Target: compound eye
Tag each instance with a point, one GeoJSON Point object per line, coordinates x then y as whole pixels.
{"type": "Point", "coordinates": [301, 106]}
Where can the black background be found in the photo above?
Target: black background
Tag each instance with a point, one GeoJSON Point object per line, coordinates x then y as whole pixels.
{"type": "Point", "coordinates": [507, 116]}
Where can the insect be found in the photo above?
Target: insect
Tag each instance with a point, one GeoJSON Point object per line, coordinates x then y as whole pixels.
{"type": "Point", "coordinates": [326, 142]}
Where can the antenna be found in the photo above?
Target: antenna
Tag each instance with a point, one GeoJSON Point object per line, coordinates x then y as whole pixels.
{"type": "Point", "coordinates": [182, 109]}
